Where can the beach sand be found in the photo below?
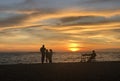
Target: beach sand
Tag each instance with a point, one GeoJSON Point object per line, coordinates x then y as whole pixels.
{"type": "Point", "coordinates": [94, 71]}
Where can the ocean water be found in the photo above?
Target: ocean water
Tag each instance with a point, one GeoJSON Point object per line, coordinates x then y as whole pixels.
{"type": "Point", "coordinates": [30, 58]}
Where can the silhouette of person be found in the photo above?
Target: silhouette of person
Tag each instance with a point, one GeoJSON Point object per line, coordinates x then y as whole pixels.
{"type": "Point", "coordinates": [93, 54]}
{"type": "Point", "coordinates": [43, 53]}
{"type": "Point", "coordinates": [47, 55]}
{"type": "Point", "coordinates": [50, 55]}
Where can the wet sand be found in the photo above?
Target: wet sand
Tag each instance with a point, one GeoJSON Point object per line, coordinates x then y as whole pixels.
{"type": "Point", "coordinates": [95, 71]}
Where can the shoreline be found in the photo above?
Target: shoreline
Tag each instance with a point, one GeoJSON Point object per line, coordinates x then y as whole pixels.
{"type": "Point", "coordinates": [61, 63]}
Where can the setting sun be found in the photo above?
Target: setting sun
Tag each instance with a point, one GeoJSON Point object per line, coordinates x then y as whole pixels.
{"type": "Point", "coordinates": [74, 47]}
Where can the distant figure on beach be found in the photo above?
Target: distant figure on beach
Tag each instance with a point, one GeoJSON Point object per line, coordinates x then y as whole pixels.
{"type": "Point", "coordinates": [43, 53]}
{"type": "Point", "coordinates": [47, 55]}
{"type": "Point", "coordinates": [93, 55]}
{"type": "Point", "coordinates": [88, 57]}
{"type": "Point", "coordinates": [50, 55]}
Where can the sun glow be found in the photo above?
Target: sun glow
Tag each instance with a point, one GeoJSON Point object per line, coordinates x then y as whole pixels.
{"type": "Point", "coordinates": [74, 47]}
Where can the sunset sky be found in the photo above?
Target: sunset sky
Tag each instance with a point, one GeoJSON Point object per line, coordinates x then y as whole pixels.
{"type": "Point", "coordinates": [63, 25]}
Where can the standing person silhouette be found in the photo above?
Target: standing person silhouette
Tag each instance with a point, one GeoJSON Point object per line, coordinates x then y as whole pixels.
{"type": "Point", "coordinates": [43, 53]}
{"type": "Point", "coordinates": [50, 55]}
{"type": "Point", "coordinates": [47, 55]}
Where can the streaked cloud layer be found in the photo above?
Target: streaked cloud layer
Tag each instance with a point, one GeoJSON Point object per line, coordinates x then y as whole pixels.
{"type": "Point", "coordinates": [27, 24]}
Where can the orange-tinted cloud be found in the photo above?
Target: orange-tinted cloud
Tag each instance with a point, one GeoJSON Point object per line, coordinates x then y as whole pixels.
{"type": "Point", "coordinates": [31, 23]}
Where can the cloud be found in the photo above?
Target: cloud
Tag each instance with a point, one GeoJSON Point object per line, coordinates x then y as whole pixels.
{"type": "Point", "coordinates": [25, 13]}
{"type": "Point", "coordinates": [102, 4]}
{"type": "Point", "coordinates": [58, 22]}
{"type": "Point", "coordinates": [20, 20]}
{"type": "Point", "coordinates": [16, 20]}
{"type": "Point", "coordinates": [88, 20]}
{"type": "Point", "coordinates": [30, 35]}
{"type": "Point", "coordinates": [116, 30]}
{"type": "Point", "coordinates": [11, 2]}
{"type": "Point", "coordinates": [98, 1]}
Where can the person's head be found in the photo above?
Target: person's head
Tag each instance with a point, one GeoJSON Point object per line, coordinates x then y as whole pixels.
{"type": "Point", "coordinates": [50, 50]}
{"type": "Point", "coordinates": [46, 50]}
{"type": "Point", "coordinates": [93, 51]}
{"type": "Point", "coordinates": [43, 46]}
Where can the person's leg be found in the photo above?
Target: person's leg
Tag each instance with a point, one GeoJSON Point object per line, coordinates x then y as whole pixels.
{"type": "Point", "coordinates": [50, 60]}
{"type": "Point", "coordinates": [42, 58]}
{"type": "Point", "coordinates": [46, 60]}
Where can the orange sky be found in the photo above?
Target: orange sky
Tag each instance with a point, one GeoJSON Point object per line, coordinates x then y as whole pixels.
{"type": "Point", "coordinates": [60, 25]}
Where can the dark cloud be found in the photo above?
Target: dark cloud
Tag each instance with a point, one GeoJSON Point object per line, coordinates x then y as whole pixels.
{"type": "Point", "coordinates": [21, 19]}
{"type": "Point", "coordinates": [61, 4]}
{"type": "Point", "coordinates": [40, 7]}
{"type": "Point", "coordinates": [68, 19]}
{"type": "Point", "coordinates": [39, 4]}
{"type": "Point", "coordinates": [101, 4]}
{"type": "Point", "coordinates": [89, 20]}
{"type": "Point", "coordinates": [115, 30]}
{"type": "Point", "coordinates": [13, 21]}
{"type": "Point", "coordinates": [97, 1]}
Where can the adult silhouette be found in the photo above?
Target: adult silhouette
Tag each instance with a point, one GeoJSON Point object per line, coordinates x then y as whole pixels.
{"type": "Point", "coordinates": [43, 53]}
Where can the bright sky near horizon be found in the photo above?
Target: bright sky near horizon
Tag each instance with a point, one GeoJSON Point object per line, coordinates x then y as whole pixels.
{"type": "Point", "coordinates": [62, 25]}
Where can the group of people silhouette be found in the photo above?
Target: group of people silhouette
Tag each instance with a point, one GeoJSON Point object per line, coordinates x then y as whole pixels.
{"type": "Point", "coordinates": [46, 54]}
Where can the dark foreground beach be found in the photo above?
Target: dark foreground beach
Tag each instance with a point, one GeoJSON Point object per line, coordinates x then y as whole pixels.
{"type": "Point", "coordinates": [95, 71]}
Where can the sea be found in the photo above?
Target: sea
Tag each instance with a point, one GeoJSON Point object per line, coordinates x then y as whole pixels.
{"type": "Point", "coordinates": [58, 57]}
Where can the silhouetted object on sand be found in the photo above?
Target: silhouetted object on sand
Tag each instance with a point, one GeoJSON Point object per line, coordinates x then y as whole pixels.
{"type": "Point", "coordinates": [47, 55]}
{"type": "Point", "coordinates": [88, 57]}
{"type": "Point", "coordinates": [43, 53]}
{"type": "Point", "coordinates": [93, 55]}
{"type": "Point", "coordinates": [50, 55]}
